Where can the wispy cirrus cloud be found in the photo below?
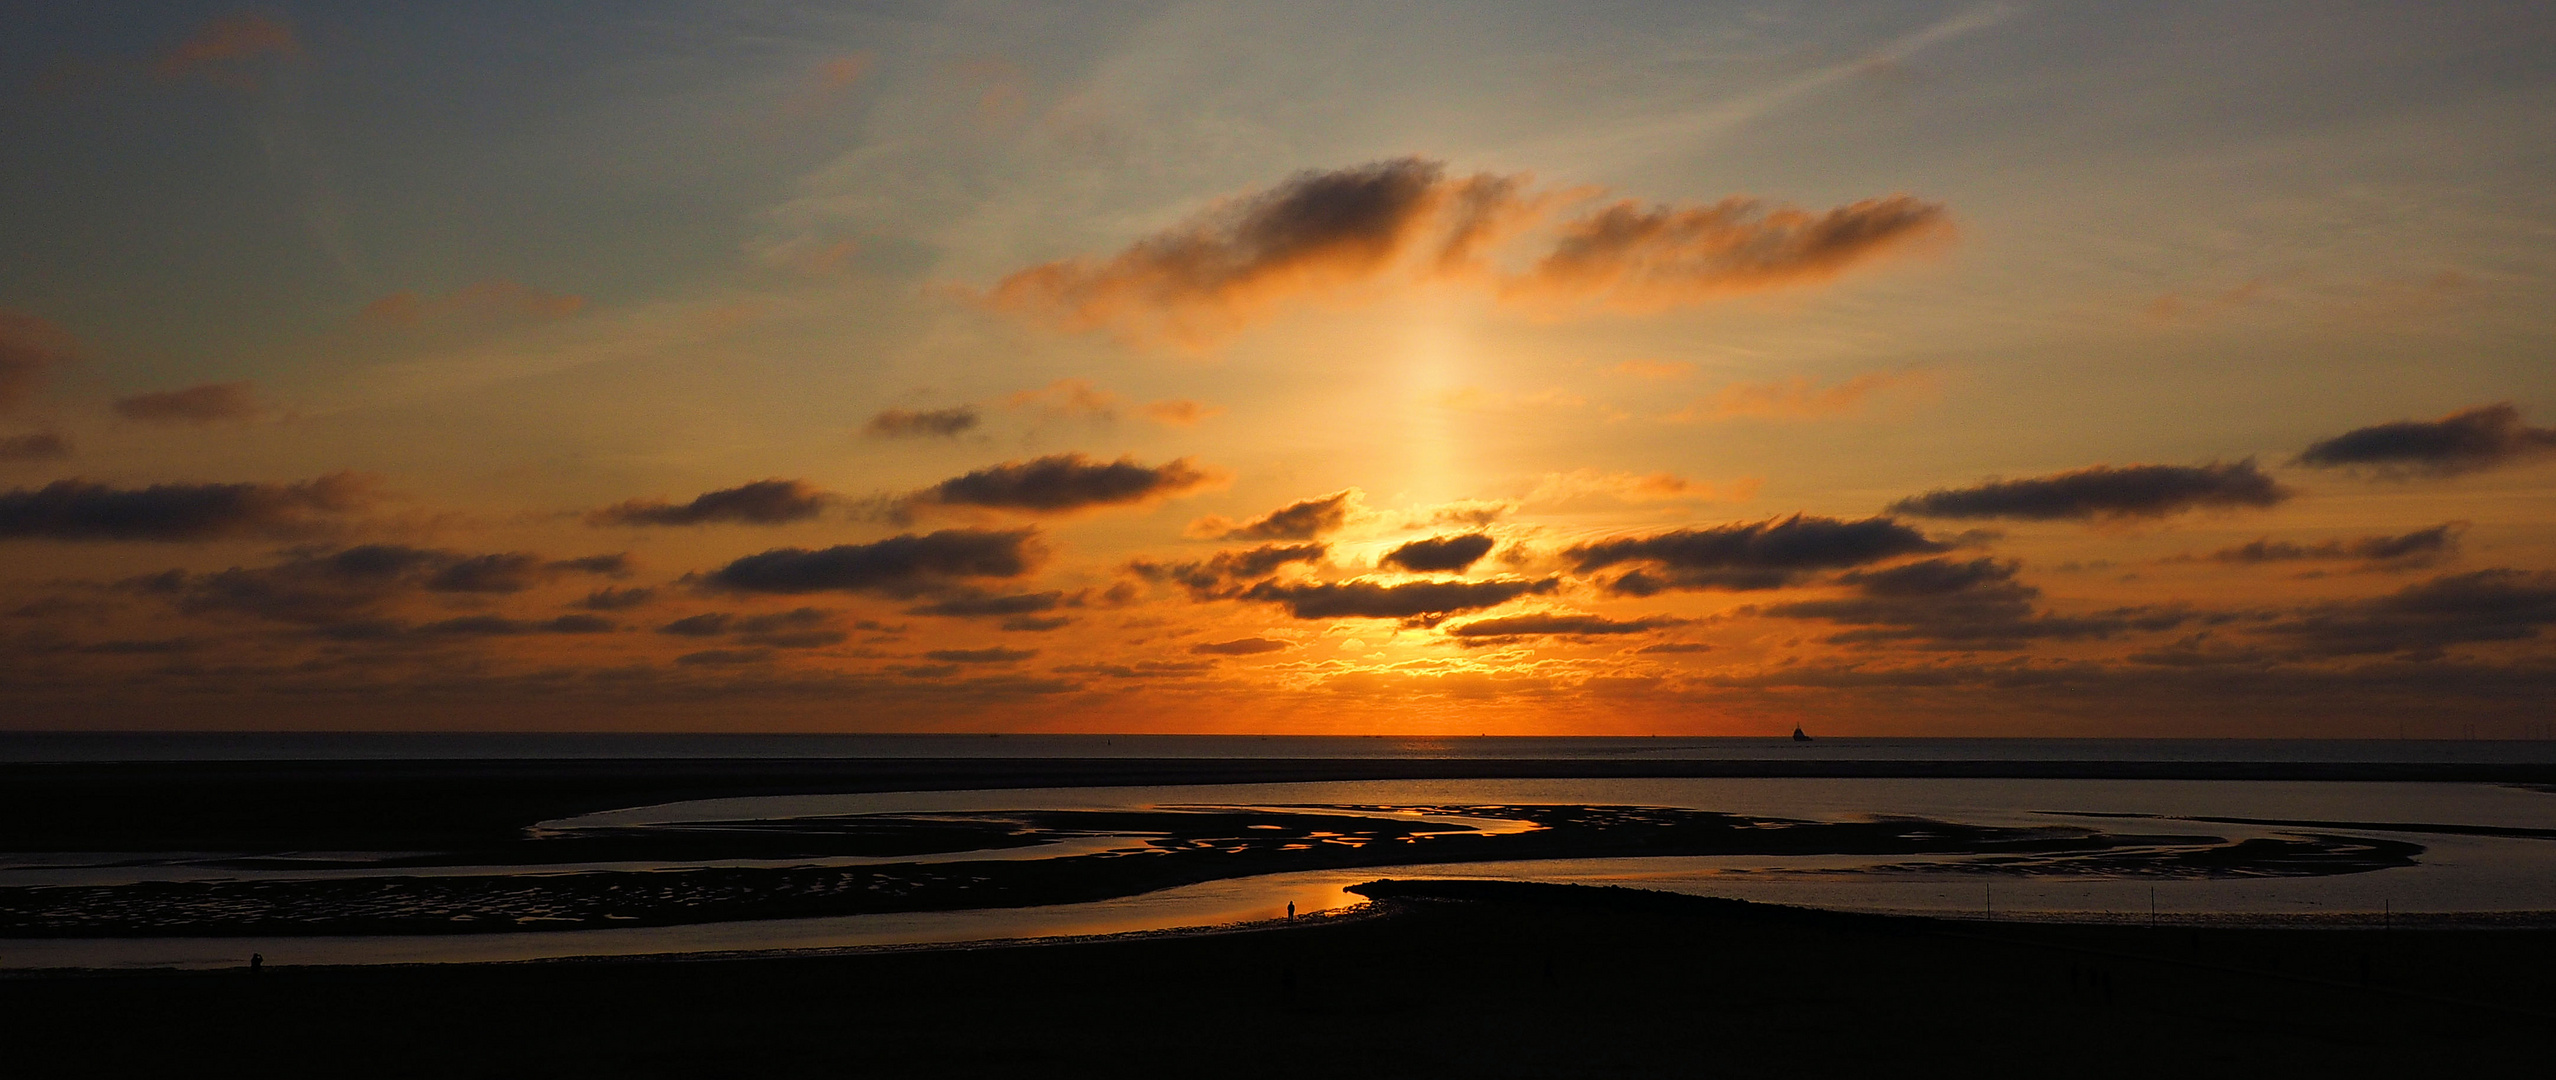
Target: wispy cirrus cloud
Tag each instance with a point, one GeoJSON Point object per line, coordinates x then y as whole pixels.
{"type": "Point", "coordinates": [227, 50]}
{"type": "Point", "coordinates": [1079, 399]}
{"type": "Point", "coordinates": [822, 88]}
{"type": "Point", "coordinates": [492, 300]}
{"type": "Point", "coordinates": [1580, 487]}
{"type": "Point", "coordinates": [210, 403]}
{"type": "Point", "coordinates": [1803, 398]}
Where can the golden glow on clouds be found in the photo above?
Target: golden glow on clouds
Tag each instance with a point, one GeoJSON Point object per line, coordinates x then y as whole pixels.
{"type": "Point", "coordinates": [1123, 373]}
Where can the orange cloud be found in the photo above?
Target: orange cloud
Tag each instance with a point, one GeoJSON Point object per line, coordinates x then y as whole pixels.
{"type": "Point", "coordinates": [2172, 306]}
{"type": "Point", "coordinates": [822, 88]}
{"type": "Point", "coordinates": [1800, 398]}
{"type": "Point", "coordinates": [1180, 412]}
{"type": "Point", "coordinates": [1001, 90]}
{"type": "Point", "coordinates": [492, 299]}
{"type": "Point", "coordinates": [218, 50]}
{"type": "Point", "coordinates": [1067, 398]}
{"type": "Point", "coordinates": [1663, 370]}
{"type": "Point", "coordinates": [1407, 221]}
{"type": "Point", "coordinates": [1303, 520]}
{"type": "Point", "coordinates": [1558, 491]}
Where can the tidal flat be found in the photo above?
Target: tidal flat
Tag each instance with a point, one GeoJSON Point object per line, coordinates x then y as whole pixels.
{"type": "Point", "coordinates": [329, 861]}
{"type": "Point", "coordinates": [1159, 848]}
{"type": "Point", "coordinates": [1478, 979]}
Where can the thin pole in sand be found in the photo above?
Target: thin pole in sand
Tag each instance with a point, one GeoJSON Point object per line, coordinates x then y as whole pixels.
{"type": "Point", "coordinates": [2152, 907]}
{"type": "Point", "coordinates": [1992, 901]}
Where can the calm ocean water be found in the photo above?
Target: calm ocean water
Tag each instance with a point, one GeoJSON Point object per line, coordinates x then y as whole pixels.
{"type": "Point", "coordinates": [385, 746]}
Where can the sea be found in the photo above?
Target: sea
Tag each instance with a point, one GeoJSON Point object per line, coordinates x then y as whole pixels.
{"type": "Point", "coordinates": [57, 746]}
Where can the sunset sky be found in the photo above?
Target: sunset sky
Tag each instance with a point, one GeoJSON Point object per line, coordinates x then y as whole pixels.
{"type": "Point", "coordinates": [1671, 368]}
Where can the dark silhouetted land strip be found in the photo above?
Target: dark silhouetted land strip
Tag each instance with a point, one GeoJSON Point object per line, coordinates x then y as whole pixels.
{"type": "Point", "coordinates": [1151, 849]}
{"type": "Point", "coordinates": [162, 806]}
{"type": "Point", "coordinates": [1464, 979]}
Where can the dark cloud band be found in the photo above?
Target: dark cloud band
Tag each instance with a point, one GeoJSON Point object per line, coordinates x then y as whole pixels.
{"type": "Point", "coordinates": [1296, 521]}
{"type": "Point", "coordinates": [210, 403]}
{"type": "Point", "coordinates": [2473, 440]}
{"type": "Point", "coordinates": [1752, 555]}
{"type": "Point", "coordinates": [1417, 600]}
{"type": "Point", "coordinates": [1251, 646]}
{"type": "Point", "coordinates": [80, 510]}
{"type": "Point", "coordinates": [1558, 625]}
{"type": "Point", "coordinates": [923, 424]}
{"type": "Point", "coordinates": [899, 565]}
{"type": "Point", "coordinates": [39, 446]}
{"type": "Point", "coordinates": [1442, 554]}
{"type": "Point", "coordinates": [763, 502]}
{"type": "Point", "coordinates": [1220, 574]}
{"type": "Point", "coordinates": [1951, 605]}
{"type": "Point", "coordinates": [2422, 547]}
{"type": "Point", "coordinates": [2106, 492]}
{"type": "Point", "coordinates": [1062, 483]}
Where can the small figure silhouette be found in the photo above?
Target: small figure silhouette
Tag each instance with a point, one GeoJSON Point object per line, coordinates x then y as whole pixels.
{"type": "Point", "coordinates": [1291, 911]}
{"type": "Point", "coordinates": [256, 961]}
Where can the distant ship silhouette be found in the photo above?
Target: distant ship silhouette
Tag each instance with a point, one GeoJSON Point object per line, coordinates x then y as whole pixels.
{"type": "Point", "coordinates": [1798, 736]}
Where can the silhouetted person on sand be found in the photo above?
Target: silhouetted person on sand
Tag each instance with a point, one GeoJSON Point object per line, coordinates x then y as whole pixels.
{"type": "Point", "coordinates": [256, 961]}
{"type": "Point", "coordinates": [1291, 911]}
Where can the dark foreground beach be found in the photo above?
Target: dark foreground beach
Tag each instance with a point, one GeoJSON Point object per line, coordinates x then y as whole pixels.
{"type": "Point", "coordinates": [1444, 979]}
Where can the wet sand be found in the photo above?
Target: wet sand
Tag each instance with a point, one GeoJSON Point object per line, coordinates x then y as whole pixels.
{"type": "Point", "coordinates": [1454, 979]}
